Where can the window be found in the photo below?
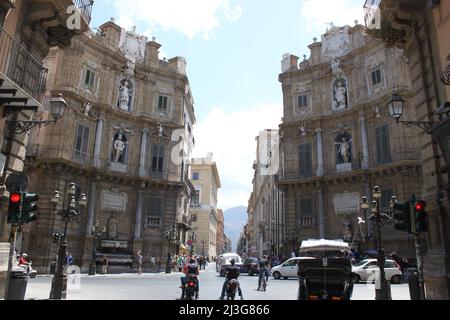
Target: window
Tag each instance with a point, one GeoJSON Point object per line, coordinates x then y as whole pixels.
{"type": "Point", "coordinates": [158, 161]}
{"type": "Point", "coordinates": [383, 145]}
{"type": "Point", "coordinates": [302, 101]}
{"type": "Point", "coordinates": [194, 218]}
{"type": "Point", "coordinates": [305, 213]}
{"type": "Point", "coordinates": [305, 160]}
{"type": "Point", "coordinates": [89, 78]}
{"type": "Point", "coordinates": [196, 197]}
{"type": "Point", "coordinates": [81, 141]}
{"type": "Point", "coordinates": [195, 176]}
{"type": "Point", "coordinates": [376, 77]}
{"type": "Point", "coordinates": [153, 211]}
{"type": "Point", "coordinates": [2, 16]}
{"type": "Point", "coordinates": [163, 103]}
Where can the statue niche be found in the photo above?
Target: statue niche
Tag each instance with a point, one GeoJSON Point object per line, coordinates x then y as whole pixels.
{"type": "Point", "coordinates": [340, 94]}
{"type": "Point", "coordinates": [344, 148]}
{"type": "Point", "coordinates": [126, 95]}
{"type": "Point", "coordinates": [119, 152]}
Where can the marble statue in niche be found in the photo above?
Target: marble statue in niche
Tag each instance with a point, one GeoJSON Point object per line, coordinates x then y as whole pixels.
{"type": "Point", "coordinates": [344, 150]}
{"type": "Point", "coordinates": [340, 94]}
{"type": "Point", "coordinates": [112, 228]}
{"type": "Point", "coordinates": [125, 95]}
{"type": "Point", "coordinates": [119, 148]}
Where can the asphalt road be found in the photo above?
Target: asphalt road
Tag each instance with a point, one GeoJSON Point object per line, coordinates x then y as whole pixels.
{"type": "Point", "coordinates": [166, 287]}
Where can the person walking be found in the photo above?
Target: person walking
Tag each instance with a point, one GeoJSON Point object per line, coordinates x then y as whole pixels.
{"type": "Point", "coordinates": [140, 260]}
{"type": "Point", "coordinates": [152, 264]}
{"type": "Point", "coordinates": [263, 272]}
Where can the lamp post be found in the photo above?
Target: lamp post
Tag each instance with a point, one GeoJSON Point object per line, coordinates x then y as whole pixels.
{"type": "Point", "coordinates": [193, 239]}
{"type": "Point", "coordinates": [170, 236]}
{"type": "Point", "coordinates": [57, 107]}
{"type": "Point", "coordinates": [396, 107]}
{"type": "Point", "coordinates": [97, 235]}
{"type": "Point", "coordinates": [72, 211]}
{"type": "Point", "coordinates": [383, 289]}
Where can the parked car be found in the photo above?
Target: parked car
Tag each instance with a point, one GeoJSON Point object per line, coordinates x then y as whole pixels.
{"type": "Point", "coordinates": [250, 266]}
{"type": "Point", "coordinates": [366, 269]}
{"type": "Point", "coordinates": [225, 261]}
{"type": "Point", "coordinates": [287, 270]}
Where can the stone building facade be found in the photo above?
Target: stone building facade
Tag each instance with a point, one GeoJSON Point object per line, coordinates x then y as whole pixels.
{"type": "Point", "coordinates": [338, 140]}
{"type": "Point", "coordinates": [27, 31]}
{"type": "Point", "coordinates": [125, 140]}
{"type": "Point", "coordinates": [266, 201]}
{"type": "Point", "coordinates": [419, 29]}
{"type": "Point", "coordinates": [220, 242]}
{"type": "Point", "coordinates": [204, 211]}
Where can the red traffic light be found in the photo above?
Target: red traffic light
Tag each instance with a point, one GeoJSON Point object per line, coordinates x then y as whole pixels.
{"type": "Point", "coordinates": [15, 198]}
{"type": "Point", "coordinates": [420, 206]}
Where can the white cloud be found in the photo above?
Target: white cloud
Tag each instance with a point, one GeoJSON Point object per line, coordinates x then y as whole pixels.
{"type": "Point", "coordinates": [189, 17]}
{"type": "Point", "coordinates": [316, 14]}
{"type": "Point", "coordinates": [231, 137]}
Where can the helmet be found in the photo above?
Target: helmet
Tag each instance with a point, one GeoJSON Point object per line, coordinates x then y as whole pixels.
{"type": "Point", "coordinates": [25, 255]}
{"type": "Point", "coordinates": [232, 261]}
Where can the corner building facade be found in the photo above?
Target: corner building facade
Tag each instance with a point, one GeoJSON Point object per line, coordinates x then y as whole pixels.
{"type": "Point", "coordinates": [338, 140]}
{"type": "Point", "coordinates": [116, 142]}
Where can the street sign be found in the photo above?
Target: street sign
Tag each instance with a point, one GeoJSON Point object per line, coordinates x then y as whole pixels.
{"type": "Point", "coordinates": [17, 181]}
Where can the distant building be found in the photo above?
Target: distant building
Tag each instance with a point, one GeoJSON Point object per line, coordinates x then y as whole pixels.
{"type": "Point", "coordinates": [220, 243]}
{"type": "Point", "coordinates": [206, 181]}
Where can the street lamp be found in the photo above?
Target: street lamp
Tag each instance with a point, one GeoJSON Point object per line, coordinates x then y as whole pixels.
{"type": "Point", "coordinates": [96, 236]}
{"type": "Point", "coordinates": [383, 291]}
{"type": "Point", "coordinates": [59, 283]}
{"type": "Point", "coordinates": [57, 107]}
{"type": "Point", "coordinates": [396, 107]}
{"type": "Point", "coordinates": [170, 236]}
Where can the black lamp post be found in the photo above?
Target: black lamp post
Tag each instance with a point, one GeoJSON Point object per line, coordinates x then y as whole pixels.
{"type": "Point", "coordinates": [170, 237]}
{"type": "Point", "coordinates": [73, 210]}
{"type": "Point", "coordinates": [194, 239]}
{"type": "Point", "coordinates": [396, 107]}
{"type": "Point", "coordinates": [383, 291]}
{"type": "Point", "coordinates": [57, 107]}
{"type": "Point", "coordinates": [97, 235]}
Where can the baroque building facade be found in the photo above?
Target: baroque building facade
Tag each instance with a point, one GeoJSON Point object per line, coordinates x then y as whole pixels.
{"type": "Point", "coordinates": [28, 29]}
{"type": "Point", "coordinates": [125, 140]}
{"type": "Point", "coordinates": [338, 141]}
{"type": "Point", "coordinates": [419, 29]}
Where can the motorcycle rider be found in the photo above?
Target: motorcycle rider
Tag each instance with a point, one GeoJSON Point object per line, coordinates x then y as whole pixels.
{"type": "Point", "coordinates": [191, 270]}
{"type": "Point", "coordinates": [23, 262]}
{"type": "Point", "coordinates": [231, 272]}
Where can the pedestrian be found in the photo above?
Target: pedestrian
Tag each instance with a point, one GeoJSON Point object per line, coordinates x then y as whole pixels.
{"type": "Point", "coordinates": [152, 264]}
{"type": "Point", "coordinates": [140, 260]}
{"type": "Point", "coordinates": [69, 260]}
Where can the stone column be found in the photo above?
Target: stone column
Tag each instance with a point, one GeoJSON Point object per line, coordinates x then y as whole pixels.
{"type": "Point", "coordinates": [321, 194]}
{"type": "Point", "coordinates": [92, 200]}
{"type": "Point", "coordinates": [365, 142]}
{"type": "Point", "coordinates": [320, 163]}
{"type": "Point", "coordinates": [143, 153]}
{"type": "Point", "coordinates": [138, 218]}
{"type": "Point", "coordinates": [98, 141]}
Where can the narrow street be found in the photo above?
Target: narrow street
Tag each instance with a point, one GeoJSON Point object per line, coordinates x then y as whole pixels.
{"type": "Point", "coordinates": [165, 287]}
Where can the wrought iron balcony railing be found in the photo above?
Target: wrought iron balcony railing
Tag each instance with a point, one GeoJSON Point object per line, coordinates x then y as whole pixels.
{"type": "Point", "coordinates": [21, 67]}
{"type": "Point", "coordinates": [85, 7]}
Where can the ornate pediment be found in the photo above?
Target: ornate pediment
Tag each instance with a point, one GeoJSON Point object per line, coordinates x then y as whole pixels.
{"type": "Point", "coordinates": [336, 42]}
{"type": "Point", "coordinates": [132, 45]}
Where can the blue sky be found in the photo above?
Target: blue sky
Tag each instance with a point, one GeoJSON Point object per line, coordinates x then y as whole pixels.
{"type": "Point", "coordinates": [233, 49]}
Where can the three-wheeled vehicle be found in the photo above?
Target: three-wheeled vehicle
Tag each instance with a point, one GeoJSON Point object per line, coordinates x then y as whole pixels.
{"type": "Point", "coordinates": [328, 276]}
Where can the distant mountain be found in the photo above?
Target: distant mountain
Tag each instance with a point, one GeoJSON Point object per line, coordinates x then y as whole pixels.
{"type": "Point", "coordinates": [235, 220]}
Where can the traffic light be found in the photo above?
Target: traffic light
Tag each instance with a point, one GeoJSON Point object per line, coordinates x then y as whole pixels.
{"type": "Point", "coordinates": [421, 216]}
{"type": "Point", "coordinates": [402, 216]}
{"type": "Point", "coordinates": [29, 207]}
{"type": "Point", "coordinates": [15, 205]}
{"type": "Point", "coordinates": [57, 238]}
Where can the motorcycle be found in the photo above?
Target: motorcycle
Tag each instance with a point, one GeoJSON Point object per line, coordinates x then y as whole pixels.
{"type": "Point", "coordinates": [232, 289]}
{"type": "Point", "coordinates": [29, 270]}
{"type": "Point", "coordinates": [191, 287]}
